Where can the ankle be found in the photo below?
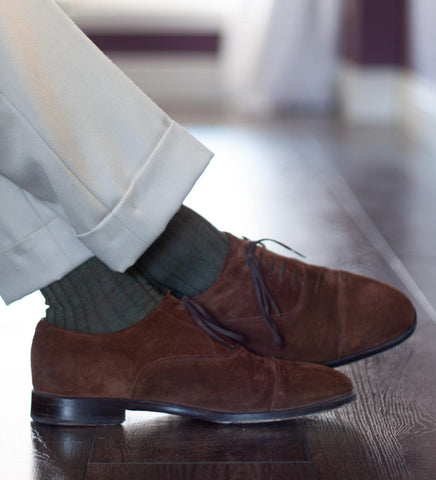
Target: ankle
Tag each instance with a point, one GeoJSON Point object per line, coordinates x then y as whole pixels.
{"type": "Point", "coordinates": [187, 258]}
{"type": "Point", "coordinates": [94, 299]}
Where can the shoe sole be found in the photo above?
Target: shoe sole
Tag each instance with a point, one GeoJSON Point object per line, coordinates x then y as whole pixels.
{"type": "Point", "coordinates": [92, 412]}
{"type": "Point", "coordinates": [374, 350]}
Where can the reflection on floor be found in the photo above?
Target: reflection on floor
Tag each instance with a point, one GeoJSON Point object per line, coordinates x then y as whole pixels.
{"type": "Point", "coordinates": [359, 199]}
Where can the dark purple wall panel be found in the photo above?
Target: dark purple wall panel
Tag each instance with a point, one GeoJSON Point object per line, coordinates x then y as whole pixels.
{"type": "Point", "coordinates": [375, 31]}
{"type": "Point", "coordinates": [161, 42]}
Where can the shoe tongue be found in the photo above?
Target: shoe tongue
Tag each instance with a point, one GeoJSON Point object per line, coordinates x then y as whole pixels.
{"type": "Point", "coordinates": [170, 302]}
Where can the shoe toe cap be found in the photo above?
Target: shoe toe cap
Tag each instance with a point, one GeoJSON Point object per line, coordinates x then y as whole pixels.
{"type": "Point", "coordinates": [306, 384]}
{"type": "Point", "coordinates": [375, 315]}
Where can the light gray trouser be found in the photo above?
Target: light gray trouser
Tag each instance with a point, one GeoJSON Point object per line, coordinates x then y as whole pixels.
{"type": "Point", "coordinates": [89, 165]}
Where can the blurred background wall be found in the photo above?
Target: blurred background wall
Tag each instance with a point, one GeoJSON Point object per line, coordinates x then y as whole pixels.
{"type": "Point", "coordinates": [366, 61]}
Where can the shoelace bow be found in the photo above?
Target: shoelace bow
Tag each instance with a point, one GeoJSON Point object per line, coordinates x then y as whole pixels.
{"type": "Point", "coordinates": [264, 298]}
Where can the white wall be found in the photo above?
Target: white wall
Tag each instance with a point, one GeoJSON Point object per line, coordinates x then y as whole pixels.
{"type": "Point", "coordinates": [274, 54]}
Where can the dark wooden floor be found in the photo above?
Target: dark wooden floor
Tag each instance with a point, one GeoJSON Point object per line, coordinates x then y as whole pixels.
{"type": "Point", "coordinates": [359, 199]}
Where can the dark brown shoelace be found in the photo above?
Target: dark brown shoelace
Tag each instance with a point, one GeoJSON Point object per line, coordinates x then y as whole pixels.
{"type": "Point", "coordinates": [264, 298]}
{"type": "Point", "coordinates": [208, 324]}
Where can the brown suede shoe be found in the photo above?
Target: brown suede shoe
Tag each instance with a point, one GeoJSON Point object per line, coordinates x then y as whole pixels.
{"type": "Point", "coordinates": [168, 363]}
{"type": "Point", "coordinates": [287, 309]}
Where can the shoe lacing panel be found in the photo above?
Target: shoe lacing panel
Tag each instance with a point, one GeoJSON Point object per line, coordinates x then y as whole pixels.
{"type": "Point", "coordinates": [264, 298]}
{"type": "Point", "coordinates": [209, 324]}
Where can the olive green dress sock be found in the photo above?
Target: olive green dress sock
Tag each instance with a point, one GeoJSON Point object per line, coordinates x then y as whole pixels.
{"type": "Point", "coordinates": [94, 299]}
{"type": "Point", "coordinates": [187, 258]}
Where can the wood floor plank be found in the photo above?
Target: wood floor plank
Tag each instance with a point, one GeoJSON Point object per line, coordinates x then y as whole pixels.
{"type": "Point", "coordinates": [198, 471]}
{"type": "Point", "coordinates": [377, 436]}
{"type": "Point", "coordinates": [165, 439]}
{"type": "Point", "coordinates": [394, 179]}
{"type": "Point", "coordinates": [28, 450]}
{"type": "Point", "coordinates": [272, 189]}
{"type": "Point", "coordinates": [381, 434]}
{"type": "Point", "coordinates": [60, 452]}
{"type": "Point", "coordinates": [423, 270]}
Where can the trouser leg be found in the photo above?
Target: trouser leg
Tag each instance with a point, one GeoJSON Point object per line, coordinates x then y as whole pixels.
{"type": "Point", "coordinates": [36, 244]}
{"type": "Point", "coordinates": [76, 133]}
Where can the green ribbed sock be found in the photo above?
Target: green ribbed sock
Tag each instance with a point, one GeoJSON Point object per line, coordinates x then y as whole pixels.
{"type": "Point", "coordinates": [94, 299]}
{"type": "Point", "coordinates": [187, 258]}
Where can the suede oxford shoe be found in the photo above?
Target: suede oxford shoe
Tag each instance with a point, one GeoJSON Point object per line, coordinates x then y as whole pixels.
{"type": "Point", "coordinates": [287, 309]}
{"type": "Point", "coordinates": [175, 360]}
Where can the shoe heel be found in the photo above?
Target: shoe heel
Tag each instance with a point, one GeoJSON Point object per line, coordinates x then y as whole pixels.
{"type": "Point", "coordinates": [76, 411]}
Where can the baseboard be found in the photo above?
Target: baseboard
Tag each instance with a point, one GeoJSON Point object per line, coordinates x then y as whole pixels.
{"type": "Point", "coordinates": [370, 95]}
{"type": "Point", "coordinates": [170, 49]}
{"type": "Point", "coordinates": [419, 109]}
{"type": "Point", "coordinates": [172, 81]}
